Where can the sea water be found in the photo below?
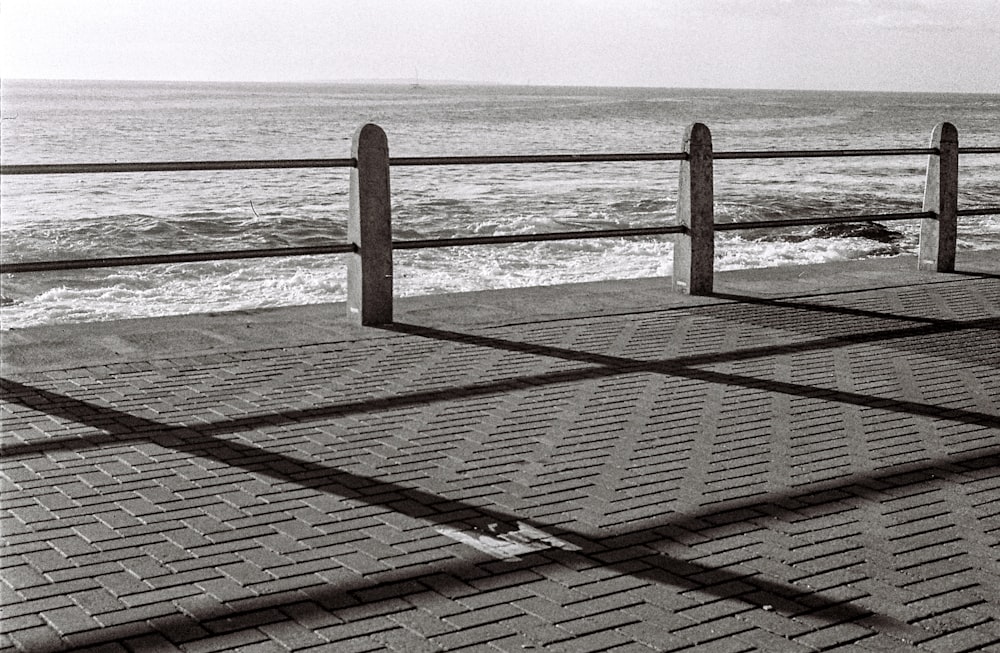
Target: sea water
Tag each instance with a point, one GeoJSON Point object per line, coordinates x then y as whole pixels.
{"type": "Point", "coordinates": [81, 216]}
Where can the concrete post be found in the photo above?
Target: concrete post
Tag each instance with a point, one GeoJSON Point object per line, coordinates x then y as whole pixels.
{"type": "Point", "coordinates": [939, 234]}
{"type": "Point", "coordinates": [694, 250]}
{"type": "Point", "coordinates": [369, 229]}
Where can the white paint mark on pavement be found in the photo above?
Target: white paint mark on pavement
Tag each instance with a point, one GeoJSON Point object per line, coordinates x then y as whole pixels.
{"type": "Point", "coordinates": [509, 545]}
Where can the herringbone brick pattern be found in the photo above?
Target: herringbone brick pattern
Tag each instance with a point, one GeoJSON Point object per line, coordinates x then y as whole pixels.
{"type": "Point", "coordinates": [797, 474]}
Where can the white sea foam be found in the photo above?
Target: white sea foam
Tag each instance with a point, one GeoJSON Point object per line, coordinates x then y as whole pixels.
{"type": "Point", "coordinates": [178, 289]}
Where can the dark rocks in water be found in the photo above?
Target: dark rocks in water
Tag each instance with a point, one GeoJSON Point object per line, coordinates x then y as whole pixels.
{"type": "Point", "coordinates": [870, 230]}
{"type": "Point", "coordinates": [886, 250]}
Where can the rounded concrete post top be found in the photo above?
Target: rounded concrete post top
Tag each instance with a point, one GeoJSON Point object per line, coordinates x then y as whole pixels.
{"type": "Point", "coordinates": [944, 132]}
{"type": "Point", "coordinates": [369, 135]}
{"type": "Point", "coordinates": [697, 135]}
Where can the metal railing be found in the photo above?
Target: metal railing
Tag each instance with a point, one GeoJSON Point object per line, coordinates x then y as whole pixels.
{"type": "Point", "coordinates": [370, 243]}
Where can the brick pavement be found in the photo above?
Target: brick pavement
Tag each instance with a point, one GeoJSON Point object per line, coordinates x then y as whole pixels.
{"type": "Point", "coordinates": [774, 474]}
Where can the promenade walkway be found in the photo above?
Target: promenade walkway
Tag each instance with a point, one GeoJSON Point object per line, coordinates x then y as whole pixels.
{"type": "Point", "coordinates": [808, 460]}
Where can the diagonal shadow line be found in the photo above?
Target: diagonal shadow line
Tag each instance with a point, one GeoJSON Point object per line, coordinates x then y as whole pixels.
{"type": "Point", "coordinates": [873, 334]}
{"type": "Point", "coordinates": [600, 366]}
{"type": "Point", "coordinates": [982, 275]}
{"type": "Point", "coordinates": [66, 409]}
{"type": "Point", "coordinates": [785, 304]}
{"type": "Point", "coordinates": [401, 499]}
{"type": "Point", "coordinates": [307, 473]}
{"type": "Point", "coordinates": [835, 342]}
{"type": "Point", "coordinates": [681, 367]}
{"type": "Point", "coordinates": [198, 441]}
{"type": "Point", "coordinates": [831, 342]}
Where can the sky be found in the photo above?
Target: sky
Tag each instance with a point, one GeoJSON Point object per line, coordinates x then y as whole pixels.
{"type": "Point", "coordinates": [867, 45]}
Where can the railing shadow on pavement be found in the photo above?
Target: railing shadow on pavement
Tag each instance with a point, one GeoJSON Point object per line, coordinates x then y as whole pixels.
{"type": "Point", "coordinates": [982, 275]}
{"type": "Point", "coordinates": [604, 366]}
{"type": "Point", "coordinates": [787, 599]}
{"type": "Point", "coordinates": [810, 500]}
{"type": "Point", "coordinates": [203, 440]}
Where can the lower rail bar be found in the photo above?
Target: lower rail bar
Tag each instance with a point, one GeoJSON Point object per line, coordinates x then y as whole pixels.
{"type": "Point", "coordinates": [535, 238]}
{"type": "Point", "coordinates": [811, 222]}
{"type": "Point", "coordinates": [160, 259]}
{"type": "Point", "coordinates": [982, 211]}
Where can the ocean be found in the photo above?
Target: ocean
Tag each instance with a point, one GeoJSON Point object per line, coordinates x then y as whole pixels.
{"type": "Point", "coordinates": [79, 216]}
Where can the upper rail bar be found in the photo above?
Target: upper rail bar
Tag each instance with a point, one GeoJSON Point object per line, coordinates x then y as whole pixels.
{"type": "Point", "coordinates": [535, 158]}
{"type": "Point", "coordinates": [815, 154]}
{"type": "Point", "coordinates": [270, 164]}
{"type": "Point", "coordinates": [169, 166]}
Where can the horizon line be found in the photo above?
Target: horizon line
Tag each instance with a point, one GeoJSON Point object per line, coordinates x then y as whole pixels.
{"type": "Point", "coordinates": [419, 82]}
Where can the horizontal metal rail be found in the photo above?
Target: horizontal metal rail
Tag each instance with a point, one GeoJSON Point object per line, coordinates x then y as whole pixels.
{"type": "Point", "coordinates": [171, 166]}
{"type": "Point", "coordinates": [338, 248]}
{"type": "Point", "coordinates": [534, 158]}
{"type": "Point", "coordinates": [980, 211]}
{"type": "Point", "coordinates": [809, 222]}
{"type": "Point", "coordinates": [461, 241]}
{"type": "Point", "coordinates": [508, 239]}
{"type": "Point", "coordinates": [814, 154]}
{"type": "Point", "coordinates": [161, 259]}
{"type": "Point", "coordinates": [269, 164]}
{"type": "Point", "coordinates": [183, 166]}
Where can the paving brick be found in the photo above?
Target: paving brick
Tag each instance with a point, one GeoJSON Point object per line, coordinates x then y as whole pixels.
{"type": "Point", "coordinates": [371, 609]}
{"type": "Point", "coordinates": [154, 643]}
{"type": "Point", "coordinates": [136, 614]}
{"type": "Point", "coordinates": [713, 631]}
{"type": "Point", "coordinates": [592, 623]}
{"type": "Point", "coordinates": [22, 622]}
{"type": "Point", "coordinates": [52, 589]}
{"type": "Point", "coordinates": [69, 620]}
{"type": "Point", "coordinates": [237, 641]}
{"type": "Point", "coordinates": [982, 637]}
{"type": "Point", "coordinates": [224, 589]}
{"type": "Point", "coordinates": [839, 635]}
{"type": "Point", "coordinates": [346, 631]}
{"type": "Point", "coordinates": [245, 573]}
{"type": "Point", "coordinates": [21, 607]}
{"type": "Point", "coordinates": [599, 641]}
{"type": "Point", "coordinates": [41, 638]}
{"type": "Point", "coordinates": [478, 636]}
{"type": "Point", "coordinates": [405, 641]}
{"type": "Point", "coordinates": [653, 635]}
{"type": "Point", "coordinates": [473, 618]}
{"type": "Point", "coordinates": [291, 635]}
{"type": "Point", "coordinates": [97, 601]}
{"type": "Point", "coordinates": [162, 595]}
{"type": "Point", "coordinates": [243, 621]}
{"type": "Point", "coordinates": [23, 576]}
{"type": "Point", "coordinates": [421, 622]}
